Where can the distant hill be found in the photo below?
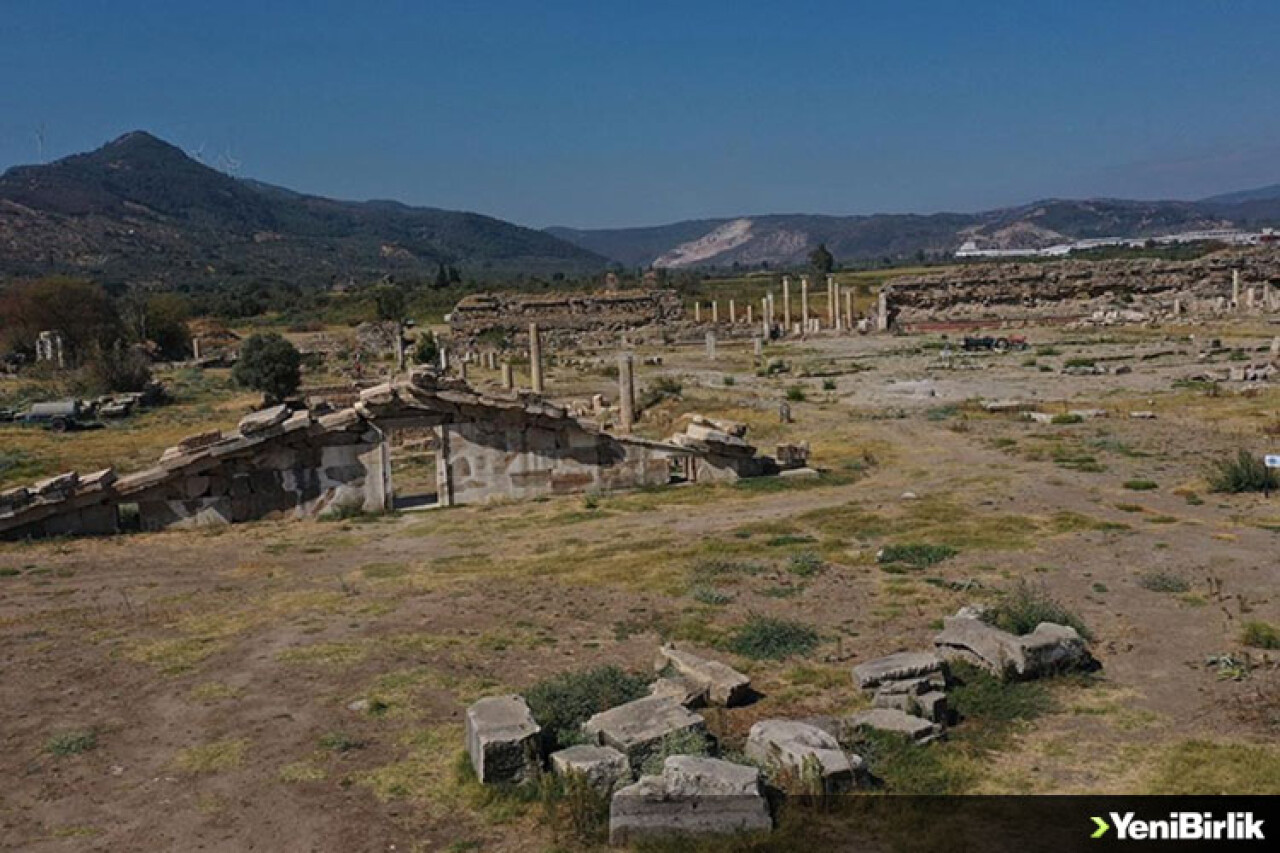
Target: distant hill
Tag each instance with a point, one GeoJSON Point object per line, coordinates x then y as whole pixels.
{"type": "Point", "coordinates": [140, 208]}
{"type": "Point", "coordinates": [787, 239]}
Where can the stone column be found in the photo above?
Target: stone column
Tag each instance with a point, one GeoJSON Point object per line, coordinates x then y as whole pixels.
{"type": "Point", "coordinates": [535, 358]}
{"type": "Point", "coordinates": [697, 311]}
{"type": "Point", "coordinates": [848, 308]}
{"type": "Point", "coordinates": [626, 392]}
{"type": "Point", "coordinates": [766, 315]}
{"type": "Point", "coordinates": [833, 310]}
{"type": "Point", "coordinates": [195, 348]}
{"type": "Point", "coordinates": [758, 344]}
{"type": "Point", "coordinates": [508, 381]}
{"type": "Point", "coordinates": [1235, 289]}
{"type": "Point", "coordinates": [715, 312]}
{"type": "Point", "coordinates": [733, 313]}
{"type": "Point", "coordinates": [444, 359]}
{"type": "Point", "coordinates": [462, 369]}
{"type": "Point", "coordinates": [711, 346]}
{"type": "Point", "coordinates": [749, 320]}
{"type": "Point", "coordinates": [838, 311]}
{"type": "Point", "coordinates": [786, 304]}
{"type": "Point", "coordinates": [882, 312]}
{"type": "Point", "coordinates": [804, 303]}
{"type": "Point", "coordinates": [1250, 297]}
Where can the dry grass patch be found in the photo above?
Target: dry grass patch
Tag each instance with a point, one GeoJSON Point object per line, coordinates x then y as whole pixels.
{"type": "Point", "coordinates": [214, 757]}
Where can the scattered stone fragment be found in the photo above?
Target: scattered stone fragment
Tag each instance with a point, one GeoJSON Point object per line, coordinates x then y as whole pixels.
{"type": "Point", "coordinates": [800, 474]}
{"type": "Point", "coordinates": [724, 685]}
{"type": "Point", "coordinates": [502, 738]}
{"type": "Point", "coordinates": [896, 667]}
{"type": "Point", "coordinates": [1143, 416]}
{"type": "Point", "coordinates": [795, 746]}
{"type": "Point", "coordinates": [917, 729]}
{"type": "Point", "coordinates": [692, 798]}
{"type": "Point", "coordinates": [638, 727]}
{"type": "Point", "coordinates": [603, 767]}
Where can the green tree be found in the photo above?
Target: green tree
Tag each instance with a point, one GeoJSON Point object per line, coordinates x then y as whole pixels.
{"type": "Point", "coordinates": [442, 278]}
{"type": "Point", "coordinates": [428, 349]}
{"type": "Point", "coordinates": [167, 315]}
{"type": "Point", "coordinates": [390, 301]}
{"type": "Point", "coordinates": [822, 260]}
{"type": "Point", "coordinates": [80, 310]}
{"type": "Point", "coordinates": [270, 364]}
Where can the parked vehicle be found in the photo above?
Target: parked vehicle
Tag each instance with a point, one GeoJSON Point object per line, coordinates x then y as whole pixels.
{"type": "Point", "coordinates": [987, 344]}
{"type": "Point", "coordinates": [57, 415]}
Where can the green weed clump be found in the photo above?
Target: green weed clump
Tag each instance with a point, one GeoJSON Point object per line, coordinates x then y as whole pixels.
{"type": "Point", "coordinates": [1243, 473]}
{"type": "Point", "coordinates": [1027, 605]}
{"type": "Point", "coordinates": [919, 555]}
{"type": "Point", "coordinates": [1141, 485]}
{"type": "Point", "coordinates": [71, 743]}
{"type": "Point", "coordinates": [1260, 635]}
{"type": "Point", "coordinates": [804, 564]}
{"type": "Point", "coordinates": [562, 703]}
{"type": "Point", "coordinates": [1163, 581]}
{"type": "Point", "coordinates": [766, 638]}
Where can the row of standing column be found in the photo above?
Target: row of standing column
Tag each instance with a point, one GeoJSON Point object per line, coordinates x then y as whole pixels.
{"type": "Point", "coordinates": [839, 310]}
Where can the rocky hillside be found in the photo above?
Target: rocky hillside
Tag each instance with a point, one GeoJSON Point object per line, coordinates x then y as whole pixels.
{"type": "Point", "coordinates": [140, 208]}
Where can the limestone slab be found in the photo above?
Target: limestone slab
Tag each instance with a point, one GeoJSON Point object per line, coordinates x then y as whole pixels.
{"type": "Point", "coordinates": [693, 798]}
{"type": "Point", "coordinates": [638, 727]}
{"type": "Point", "coordinates": [796, 746]}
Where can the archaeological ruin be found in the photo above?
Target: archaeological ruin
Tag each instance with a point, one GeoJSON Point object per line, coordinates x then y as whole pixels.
{"type": "Point", "coordinates": [311, 462]}
{"type": "Point", "coordinates": [1059, 292]}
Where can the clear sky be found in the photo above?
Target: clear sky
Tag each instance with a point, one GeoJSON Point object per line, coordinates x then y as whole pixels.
{"type": "Point", "coordinates": [597, 113]}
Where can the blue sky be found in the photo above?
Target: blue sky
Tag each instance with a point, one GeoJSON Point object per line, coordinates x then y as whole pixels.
{"type": "Point", "coordinates": [628, 113]}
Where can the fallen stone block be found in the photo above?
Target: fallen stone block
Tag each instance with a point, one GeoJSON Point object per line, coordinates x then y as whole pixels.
{"type": "Point", "coordinates": [56, 488]}
{"type": "Point", "coordinates": [263, 420]}
{"type": "Point", "coordinates": [638, 727]}
{"type": "Point", "coordinates": [693, 798]}
{"type": "Point", "coordinates": [896, 667]}
{"type": "Point", "coordinates": [503, 739]}
{"type": "Point", "coordinates": [725, 686]}
{"type": "Point", "coordinates": [800, 473]}
{"type": "Point", "coordinates": [197, 442]}
{"type": "Point", "coordinates": [894, 721]}
{"type": "Point", "coordinates": [681, 690]}
{"type": "Point", "coordinates": [603, 767]}
{"type": "Point", "coordinates": [1053, 648]}
{"type": "Point", "coordinates": [1143, 415]}
{"type": "Point", "coordinates": [796, 747]}
{"type": "Point", "coordinates": [1050, 648]}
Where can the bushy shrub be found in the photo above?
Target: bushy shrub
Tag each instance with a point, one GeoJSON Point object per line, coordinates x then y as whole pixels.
{"type": "Point", "coordinates": [663, 388]}
{"type": "Point", "coordinates": [804, 564]}
{"type": "Point", "coordinates": [270, 364]}
{"type": "Point", "coordinates": [796, 394]}
{"type": "Point", "coordinates": [562, 703]}
{"type": "Point", "coordinates": [1243, 473]}
{"type": "Point", "coordinates": [117, 368]}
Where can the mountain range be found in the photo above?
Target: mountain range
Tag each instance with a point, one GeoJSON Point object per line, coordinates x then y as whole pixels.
{"type": "Point", "coordinates": [786, 240]}
{"type": "Point", "coordinates": [140, 209]}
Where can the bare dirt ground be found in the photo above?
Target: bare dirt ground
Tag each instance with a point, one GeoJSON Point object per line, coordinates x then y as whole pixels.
{"type": "Point", "coordinates": [300, 685]}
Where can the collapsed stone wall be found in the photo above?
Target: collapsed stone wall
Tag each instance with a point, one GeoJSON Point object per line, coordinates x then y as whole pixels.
{"type": "Point", "coordinates": [276, 462]}
{"type": "Point", "coordinates": [1076, 289]}
{"type": "Point", "coordinates": [304, 463]}
{"type": "Point", "coordinates": [564, 314]}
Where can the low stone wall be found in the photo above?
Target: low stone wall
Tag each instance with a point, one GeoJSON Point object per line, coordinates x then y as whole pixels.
{"type": "Point", "coordinates": [614, 311]}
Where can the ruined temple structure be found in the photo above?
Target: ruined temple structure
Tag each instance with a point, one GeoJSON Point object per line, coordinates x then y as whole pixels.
{"type": "Point", "coordinates": [567, 316]}
{"type": "Point", "coordinates": [307, 463]}
{"type": "Point", "coordinates": [1219, 284]}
